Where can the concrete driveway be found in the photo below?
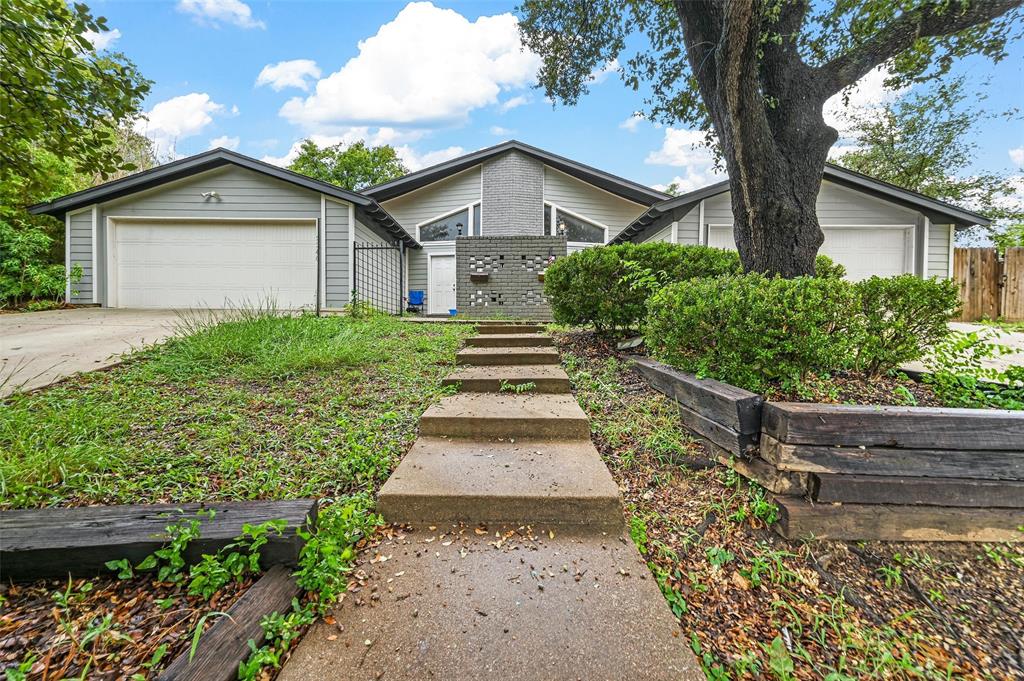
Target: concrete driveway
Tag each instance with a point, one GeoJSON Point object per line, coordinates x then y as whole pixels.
{"type": "Point", "coordinates": [39, 348]}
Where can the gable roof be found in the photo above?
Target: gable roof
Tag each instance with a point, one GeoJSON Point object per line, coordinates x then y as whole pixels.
{"type": "Point", "coordinates": [627, 189]}
{"type": "Point", "coordinates": [937, 211]}
{"type": "Point", "coordinates": [366, 207]}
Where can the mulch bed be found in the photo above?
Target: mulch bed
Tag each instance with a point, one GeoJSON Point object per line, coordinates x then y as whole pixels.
{"type": "Point", "coordinates": [865, 610]}
{"type": "Point", "coordinates": [102, 628]}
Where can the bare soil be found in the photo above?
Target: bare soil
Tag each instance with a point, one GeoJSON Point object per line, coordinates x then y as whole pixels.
{"type": "Point", "coordinates": [56, 629]}
{"type": "Point", "coordinates": [757, 606]}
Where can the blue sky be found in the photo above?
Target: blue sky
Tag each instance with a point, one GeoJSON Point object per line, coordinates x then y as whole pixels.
{"type": "Point", "coordinates": [435, 80]}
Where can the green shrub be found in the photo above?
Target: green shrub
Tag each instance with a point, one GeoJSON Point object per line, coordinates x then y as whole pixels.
{"type": "Point", "coordinates": [608, 286]}
{"type": "Point", "coordinates": [827, 268]}
{"type": "Point", "coordinates": [754, 331]}
{"type": "Point", "coordinates": [903, 316]}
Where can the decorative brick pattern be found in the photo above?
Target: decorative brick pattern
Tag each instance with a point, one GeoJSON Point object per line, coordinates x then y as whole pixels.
{"type": "Point", "coordinates": [513, 195]}
{"type": "Point", "coordinates": [513, 265]}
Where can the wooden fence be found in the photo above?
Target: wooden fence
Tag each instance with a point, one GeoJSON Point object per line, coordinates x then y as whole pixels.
{"type": "Point", "coordinates": [990, 287]}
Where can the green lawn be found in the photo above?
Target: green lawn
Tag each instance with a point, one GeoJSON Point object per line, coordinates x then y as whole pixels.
{"type": "Point", "coordinates": [259, 407]}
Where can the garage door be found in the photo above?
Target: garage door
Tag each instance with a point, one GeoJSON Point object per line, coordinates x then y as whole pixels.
{"type": "Point", "coordinates": [863, 251]}
{"type": "Point", "coordinates": [214, 264]}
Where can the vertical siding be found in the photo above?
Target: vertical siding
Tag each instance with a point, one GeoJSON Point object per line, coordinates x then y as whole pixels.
{"type": "Point", "coordinates": [336, 254]}
{"type": "Point", "coordinates": [81, 254]}
{"type": "Point", "coordinates": [513, 196]}
{"type": "Point", "coordinates": [589, 201]}
{"type": "Point", "coordinates": [436, 199]}
{"type": "Point", "coordinates": [938, 251]}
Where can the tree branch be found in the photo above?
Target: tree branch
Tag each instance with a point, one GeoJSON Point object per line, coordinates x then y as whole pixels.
{"type": "Point", "coordinates": [930, 20]}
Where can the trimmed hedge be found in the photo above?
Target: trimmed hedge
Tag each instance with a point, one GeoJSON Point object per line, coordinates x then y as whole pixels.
{"type": "Point", "coordinates": [754, 331]}
{"type": "Point", "coordinates": [608, 286]}
{"type": "Point", "coordinates": [758, 332]}
{"type": "Point", "coordinates": [902, 317]}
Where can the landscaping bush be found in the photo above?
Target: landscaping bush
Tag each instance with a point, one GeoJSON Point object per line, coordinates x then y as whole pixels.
{"type": "Point", "coordinates": [827, 268]}
{"type": "Point", "coordinates": [608, 286]}
{"type": "Point", "coordinates": [903, 316]}
{"type": "Point", "coordinates": [754, 331]}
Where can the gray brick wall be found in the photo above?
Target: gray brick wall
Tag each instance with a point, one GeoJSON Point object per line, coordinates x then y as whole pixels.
{"type": "Point", "coordinates": [513, 196]}
{"type": "Point", "coordinates": [511, 264]}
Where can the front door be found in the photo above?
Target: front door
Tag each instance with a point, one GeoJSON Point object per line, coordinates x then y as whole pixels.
{"type": "Point", "coordinates": [442, 284]}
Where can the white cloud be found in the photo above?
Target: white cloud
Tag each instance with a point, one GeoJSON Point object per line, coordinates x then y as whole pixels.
{"type": "Point", "coordinates": [1017, 156]}
{"type": "Point", "coordinates": [866, 98]}
{"type": "Point", "coordinates": [292, 73]}
{"type": "Point", "coordinates": [499, 131]}
{"type": "Point", "coordinates": [103, 40]}
{"type": "Point", "coordinates": [632, 122]}
{"type": "Point", "coordinates": [415, 161]}
{"type": "Point", "coordinates": [686, 149]}
{"type": "Point", "coordinates": [512, 103]}
{"type": "Point", "coordinates": [427, 65]}
{"type": "Point", "coordinates": [178, 118]}
{"type": "Point", "coordinates": [225, 142]}
{"type": "Point", "coordinates": [599, 76]}
{"type": "Point", "coordinates": [216, 12]}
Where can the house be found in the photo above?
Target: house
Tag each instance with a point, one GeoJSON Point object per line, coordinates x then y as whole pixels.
{"type": "Point", "coordinates": [473, 234]}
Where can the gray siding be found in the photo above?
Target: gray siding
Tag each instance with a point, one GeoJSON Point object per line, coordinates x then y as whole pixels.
{"type": "Point", "coordinates": [938, 251]}
{"type": "Point", "coordinates": [436, 199]}
{"type": "Point", "coordinates": [418, 270]}
{"type": "Point", "coordinates": [338, 283]}
{"type": "Point", "coordinates": [243, 194]}
{"type": "Point", "coordinates": [836, 206]}
{"type": "Point", "coordinates": [513, 196]}
{"type": "Point", "coordinates": [81, 254]}
{"type": "Point", "coordinates": [664, 234]}
{"type": "Point", "coordinates": [689, 226]}
{"type": "Point", "coordinates": [589, 201]}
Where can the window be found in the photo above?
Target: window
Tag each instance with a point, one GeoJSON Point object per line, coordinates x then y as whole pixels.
{"type": "Point", "coordinates": [446, 228]}
{"type": "Point", "coordinates": [477, 225]}
{"type": "Point", "coordinates": [575, 229]}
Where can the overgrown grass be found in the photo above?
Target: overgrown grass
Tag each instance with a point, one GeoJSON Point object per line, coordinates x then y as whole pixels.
{"type": "Point", "coordinates": [259, 406]}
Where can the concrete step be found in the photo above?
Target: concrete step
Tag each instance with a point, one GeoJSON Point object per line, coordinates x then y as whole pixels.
{"type": "Point", "coordinates": [546, 378]}
{"type": "Point", "coordinates": [509, 340]}
{"type": "Point", "coordinates": [522, 606]}
{"type": "Point", "coordinates": [521, 482]}
{"type": "Point", "coordinates": [508, 328]}
{"type": "Point", "coordinates": [502, 415]}
{"type": "Point", "coordinates": [506, 356]}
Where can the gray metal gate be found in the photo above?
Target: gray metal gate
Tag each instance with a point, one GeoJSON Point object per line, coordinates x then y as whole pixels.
{"type": "Point", "coordinates": [377, 277]}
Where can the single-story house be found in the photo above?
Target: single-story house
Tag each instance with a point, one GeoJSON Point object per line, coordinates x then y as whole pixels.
{"type": "Point", "coordinates": [472, 234]}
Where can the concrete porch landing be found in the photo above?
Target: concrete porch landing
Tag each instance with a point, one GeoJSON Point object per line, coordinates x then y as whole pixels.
{"type": "Point", "coordinates": [517, 566]}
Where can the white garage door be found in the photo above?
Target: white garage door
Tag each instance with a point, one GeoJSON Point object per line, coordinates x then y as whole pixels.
{"type": "Point", "coordinates": [161, 264]}
{"type": "Point", "coordinates": [863, 251]}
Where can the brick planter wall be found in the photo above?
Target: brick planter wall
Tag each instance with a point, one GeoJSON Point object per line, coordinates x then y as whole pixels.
{"type": "Point", "coordinates": [498, 276]}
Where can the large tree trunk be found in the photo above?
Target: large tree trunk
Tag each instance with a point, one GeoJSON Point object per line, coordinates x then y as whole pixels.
{"type": "Point", "coordinates": [775, 154]}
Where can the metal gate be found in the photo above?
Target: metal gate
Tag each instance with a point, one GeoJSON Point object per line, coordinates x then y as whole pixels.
{"type": "Point", "coordinates": [377, 276]}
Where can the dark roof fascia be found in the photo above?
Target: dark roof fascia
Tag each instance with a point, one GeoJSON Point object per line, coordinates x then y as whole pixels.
{"type": "Point", "coordinates": [677, 206]}
{"type": "Point", "coordinates": [619, 186]}
{"type": "Point", "coordinates": [210, 160]}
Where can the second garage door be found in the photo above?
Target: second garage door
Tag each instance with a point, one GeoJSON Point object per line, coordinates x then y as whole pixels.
{"type": "Point", "coordinates": [213, 264]}
{"type": "Point", "coordinates": [863, 251]}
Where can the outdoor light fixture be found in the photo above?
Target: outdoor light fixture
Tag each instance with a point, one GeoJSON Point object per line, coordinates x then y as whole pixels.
{"type": "Point", "coordinates": [458, 226]}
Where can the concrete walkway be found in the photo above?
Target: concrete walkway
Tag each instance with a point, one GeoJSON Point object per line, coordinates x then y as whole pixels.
{"type": "Point", "coordinates": [517, 565]}
{"type": "Point", "coordinates": [39, 348]}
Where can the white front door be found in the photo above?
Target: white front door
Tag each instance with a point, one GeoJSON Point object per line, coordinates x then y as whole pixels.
{"type": "Point", "coordinates": [441, 296]}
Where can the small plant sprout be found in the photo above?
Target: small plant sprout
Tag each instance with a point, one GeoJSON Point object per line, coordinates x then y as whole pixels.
{"type": "Point", "coordinates": [517, 388]}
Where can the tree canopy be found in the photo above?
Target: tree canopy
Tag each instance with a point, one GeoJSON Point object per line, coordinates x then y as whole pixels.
{"type": "Point", "coordinates": [57, 93]}
{"type": "Point", "coordinates": [755, 75]}
{"type": "Point", "coordinates": [354, 166]}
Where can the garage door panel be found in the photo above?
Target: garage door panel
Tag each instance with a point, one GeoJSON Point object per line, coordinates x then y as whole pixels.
{"type": "Point", "coordinates": [863, 251]}
{"type": "Point", "coordinates": [182, 265]}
